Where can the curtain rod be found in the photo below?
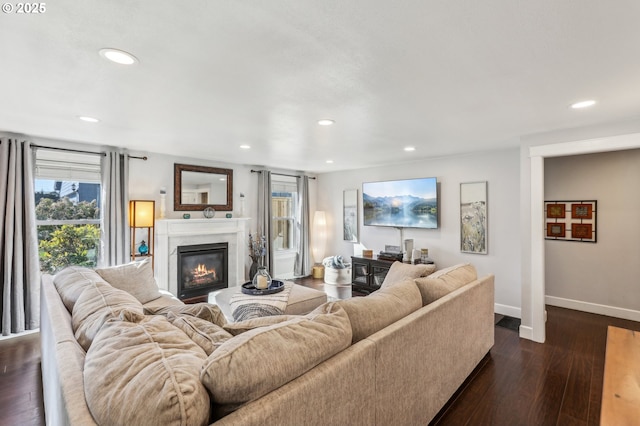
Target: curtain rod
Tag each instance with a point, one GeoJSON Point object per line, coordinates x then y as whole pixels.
{"type": "Point", "coordinates": [54, 148]}
{"type": "Point", "coordinates": [280, 174]}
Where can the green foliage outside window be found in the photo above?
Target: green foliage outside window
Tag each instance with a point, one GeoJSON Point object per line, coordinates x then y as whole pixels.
{"type": "Point", "coordinates": [68, 244]}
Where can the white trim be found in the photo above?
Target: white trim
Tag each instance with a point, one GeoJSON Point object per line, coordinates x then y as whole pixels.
{"type": "Point", "coordinates": [170, 233]}
{"type": "Point", "coordinates": [537, 155]}
{"type": "Point", "coordinates": [526, 332]}
{"type": "Point", "coordinates": [22, 333]}
{"type": "Point", "coordinates": [537, 249]}
{"type": "Point", "coordinates": [510, 311]}
{"type": "Point", "coordinates": [594, 308]}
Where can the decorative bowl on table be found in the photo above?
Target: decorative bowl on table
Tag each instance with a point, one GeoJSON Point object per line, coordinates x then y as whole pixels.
{"type": "Point", "coordinates": [276, 286]}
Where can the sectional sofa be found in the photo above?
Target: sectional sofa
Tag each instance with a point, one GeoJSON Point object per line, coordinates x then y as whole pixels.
{"type": "Point", "coordinates": [116, 351]}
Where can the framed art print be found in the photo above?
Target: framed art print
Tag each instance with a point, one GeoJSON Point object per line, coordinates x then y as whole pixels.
{"type": "Point", "coordinates": [571, 220]}
{"type": "Point", "coordinates": [473, 217]}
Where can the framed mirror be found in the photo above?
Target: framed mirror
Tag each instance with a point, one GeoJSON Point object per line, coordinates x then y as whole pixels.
{"type": "Point", "coordinates": [199, 187]}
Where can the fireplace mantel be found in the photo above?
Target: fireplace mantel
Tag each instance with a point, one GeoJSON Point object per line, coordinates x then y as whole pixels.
{"type": "Point", "coordinates": [171, 233]}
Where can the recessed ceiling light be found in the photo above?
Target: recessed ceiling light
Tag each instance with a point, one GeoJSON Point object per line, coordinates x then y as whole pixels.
{"type": "Point", "coordinates": [583, 104]}
{"type": "Point", "coordinates": [88, 119]}
{"type": "Point", "coordinates": [329, 161]}
{"type": "Point", "coordinates": [326, 122]}
{"type": "Point", "coordinates": [223, 179]}
{"type": "Point", "coordinates": [118, 56]}
{"type": "Point", "coordinates": [409, 148]}
{"type": "Point", "coordinates": [245, 147]}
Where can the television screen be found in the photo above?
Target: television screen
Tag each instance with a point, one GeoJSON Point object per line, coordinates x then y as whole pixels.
{"type": "Point", "coordinates": [410, 203]}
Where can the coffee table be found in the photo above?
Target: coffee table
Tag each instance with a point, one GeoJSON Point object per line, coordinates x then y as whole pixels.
{"type": "Point", "coordinates": [302, 300]}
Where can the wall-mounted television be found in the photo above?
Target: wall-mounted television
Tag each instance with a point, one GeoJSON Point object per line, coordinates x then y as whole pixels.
{"type": "Point", "coordinates": [409, 203]}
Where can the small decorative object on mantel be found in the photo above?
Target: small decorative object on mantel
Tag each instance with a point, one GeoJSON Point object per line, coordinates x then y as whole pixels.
{"type": "Point", "coordinates": [571, 220]}
{"type": "Point", "coordinates": [209, 212]}
{"type": "Point", "coordinates": [163, 207]}
{"type": "Point", "coordinates": [242, 204]}
{"type": "Point", "coordinates": [186, 216]}
{"type": "Point", "coordinates": [229, 215]}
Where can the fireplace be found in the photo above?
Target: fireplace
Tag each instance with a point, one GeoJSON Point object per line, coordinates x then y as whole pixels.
{"type": "Point", "coordinates": [202, 268]}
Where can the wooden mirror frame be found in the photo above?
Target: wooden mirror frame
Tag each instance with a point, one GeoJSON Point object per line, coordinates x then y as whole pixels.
{"type": "Point", "coordinates": [177, 188]}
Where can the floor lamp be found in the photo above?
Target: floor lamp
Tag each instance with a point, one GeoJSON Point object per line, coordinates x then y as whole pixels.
{"type": "Point", "coordinates": [319, 242]}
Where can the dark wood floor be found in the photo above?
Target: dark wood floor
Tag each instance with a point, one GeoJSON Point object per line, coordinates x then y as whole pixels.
{"type": "Point", "coordinates": [526, 383]}
{"type": "Point", "coordinates": [21, 381]}
{"type": "Point", "coordinates": [519, 383]}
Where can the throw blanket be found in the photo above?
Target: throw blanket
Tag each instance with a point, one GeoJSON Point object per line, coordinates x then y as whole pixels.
{"type": "Point", "coordinates": [247, 306]}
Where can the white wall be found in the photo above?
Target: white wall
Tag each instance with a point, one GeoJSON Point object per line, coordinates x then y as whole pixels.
{"type": "Point", "coordinates": [499, 168]}
{"type": "Point", "coordinates": [605, 273]}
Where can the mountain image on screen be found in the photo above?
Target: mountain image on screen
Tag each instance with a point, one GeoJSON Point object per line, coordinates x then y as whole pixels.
{"type": "Point", "coordinates": [409, 203]}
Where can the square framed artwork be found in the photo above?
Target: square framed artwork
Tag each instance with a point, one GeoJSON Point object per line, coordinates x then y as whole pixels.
{"type": "Point", "coordinates": [581, 230]}
{"type": "Point", "coordinates": [556, 211]}
{"type": "Point", "coordinates": [571, 220]}
{"type": "Point", "coordinates": [581, 211]}
{"type": "Point", "coordinates": [556, 230]}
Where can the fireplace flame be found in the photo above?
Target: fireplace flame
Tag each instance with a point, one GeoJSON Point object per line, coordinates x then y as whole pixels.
{"type": "Point", "coordinates": [201, 271]}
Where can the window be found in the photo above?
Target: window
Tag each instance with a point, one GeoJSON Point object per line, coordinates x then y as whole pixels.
{"type": "Point", "coordinates": [284, 194]}
{"type": "Point", "coordinates": [67, 198]}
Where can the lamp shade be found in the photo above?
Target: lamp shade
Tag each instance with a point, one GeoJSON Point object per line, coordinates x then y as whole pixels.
{"type": "Point", "coordinates": [319, 235]}
{"type": "Point", "coordinates": [142, 213]}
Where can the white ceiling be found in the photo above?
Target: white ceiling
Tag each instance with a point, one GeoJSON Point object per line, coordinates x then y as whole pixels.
{"type": "Point", "coordinates": [444, 76]}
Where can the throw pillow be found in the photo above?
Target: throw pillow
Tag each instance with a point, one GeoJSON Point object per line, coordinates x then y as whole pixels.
{"type": "Point", "coordinates": [374, 312]}
{"type": "Point", "coordinates": [136, 278]}
{"type": "Point", "coordinates": [400, 271]}
{"type": "Point", "coordinates": [98, 303]}
{"type": "Point", "coordinates": [258, 361]}
{"type": "Point", "coordinates": [445, 281]}
{"type": "Point", "coordinates": [71, 281]}
{"type": "Point", "coordinates": [145, 373]}
{"type": "Point", "coordinates": [205, 334]}
{"type": "Point", "coordinates": [205, 311]}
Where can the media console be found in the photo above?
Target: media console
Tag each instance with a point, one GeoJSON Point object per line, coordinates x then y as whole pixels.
{"type": "Point", "coordinates": [367, 273]}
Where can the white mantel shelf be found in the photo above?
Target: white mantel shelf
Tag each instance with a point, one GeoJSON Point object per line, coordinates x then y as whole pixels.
{"type": "Point", "coordinates": [171, 233]}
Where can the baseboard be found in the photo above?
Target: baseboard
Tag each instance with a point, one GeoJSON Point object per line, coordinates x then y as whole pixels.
{"type": "Point", "coordinates": [593, 308]}
{"type": "Point", "coordinates": [526, 332]}
{"type": "Point", "coordinates": [24, 333]}
{"type": "Point", "coordinates": [510, 311]}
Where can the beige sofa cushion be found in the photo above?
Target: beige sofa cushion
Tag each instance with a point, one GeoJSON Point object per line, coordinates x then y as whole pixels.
{"type": "Point", "coordinates": [205, 311]}
{"type": "Point", "coordinates": [379, 309]}
{"type": "Point", "coordinates": [260, 360]}
{"type": "Point", "coordinates": [205, 334]}
{"type": "Point", "coordinates": [400, 271]}
{"type": "Point", "coordinates": [136, 278]}
{"type": "Point", "coordinates": [98, 303]}
{"type": "Point", "coordinates": [145, 373]}
{"type": "Point", "coordinates": [71, 281]}
{"type": "Point", "coordinates": [444, 281]}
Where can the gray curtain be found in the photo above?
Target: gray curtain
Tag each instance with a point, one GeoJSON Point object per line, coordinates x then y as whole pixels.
{"type": "Point", "coordinates": [265, 215]}
{"type": "Point", "coordinates": [114, 229]}
{"type": "Point", "coordinates": [19, 266]}
{"type": "Point", "coordinates": [302, 266]}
